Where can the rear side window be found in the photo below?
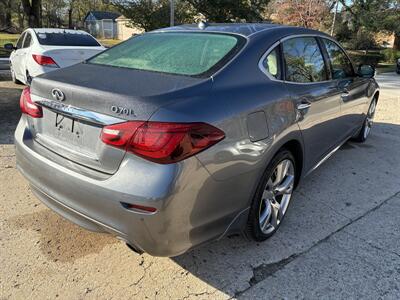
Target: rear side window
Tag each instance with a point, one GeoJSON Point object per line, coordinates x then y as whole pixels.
{"type": "Point", "coordinates": [28, 40]}
{"type": "Point", "coordinates": [21, 40]}
{"type": "Point", "coordinates": [271, 63]}
{"type": "Point", "coordinates": [66, 39]}
{"type": "Point", "coordinates": [184, 53]}
{"type": "Point", "coordinates": [303, 60]}
{"type": "Point", "coordinates": [340, 63]}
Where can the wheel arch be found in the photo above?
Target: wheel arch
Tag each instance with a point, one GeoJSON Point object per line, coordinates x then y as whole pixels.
{"type": "Point", "coordinates": [295, 147]}
{"type": "Point", "coordinates": [376, 96]}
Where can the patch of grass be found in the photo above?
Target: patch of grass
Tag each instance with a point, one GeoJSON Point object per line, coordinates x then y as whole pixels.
{"type": "Point", "coordinates": [109, 42]}
{"type": "Point", "coordinates": [6, 38]}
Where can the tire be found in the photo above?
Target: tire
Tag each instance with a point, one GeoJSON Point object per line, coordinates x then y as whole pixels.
{"type": "Point", "coordinates": [28, 78]}
{"type": "Point", "coordinates": [267, 200]}
{"type": "Point", "coordinates": [363, 135]}
{"type": "Point", "coordinates": [13, 78]}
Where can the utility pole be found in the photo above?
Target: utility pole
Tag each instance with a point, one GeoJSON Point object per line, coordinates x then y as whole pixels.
{"type": "Point", "coordinates": [172, 13]}
{"type": "Point", "coordinates": [334, 17]}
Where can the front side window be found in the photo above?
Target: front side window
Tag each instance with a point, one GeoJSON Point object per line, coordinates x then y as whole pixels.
{"type": "Point", "coordinates": [28, 40]}
{"type": "Point", "coordinates": [303, 60]}
{"type": "Point", "coordinates": [341, 65]}
{"type": "Point", "coordinates": [183, 53]}
{"type": "Point", "coordinates": [21, 40]}
{"type": "Point", "coordinates": [271, 63]}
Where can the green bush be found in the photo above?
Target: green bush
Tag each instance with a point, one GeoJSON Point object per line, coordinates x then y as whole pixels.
{"type": "Point", "coordinates": [370, 58]}
{"type": "Point", "coordinates": [390, 55]}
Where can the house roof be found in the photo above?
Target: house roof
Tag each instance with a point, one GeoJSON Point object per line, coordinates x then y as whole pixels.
{"type": "Point", "coordinates": [102, 15]}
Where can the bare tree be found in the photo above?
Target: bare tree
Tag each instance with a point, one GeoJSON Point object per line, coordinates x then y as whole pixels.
{"type": "Point", "coordinates": [305, 13]}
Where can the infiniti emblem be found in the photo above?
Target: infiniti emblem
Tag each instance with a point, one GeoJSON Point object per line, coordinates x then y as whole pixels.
{"type": "Point", "coordinates": [58, 94]}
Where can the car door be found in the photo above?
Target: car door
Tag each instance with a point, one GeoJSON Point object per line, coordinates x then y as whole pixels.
{"type": "Point", "coordinates": [351, 89]}
{"type": "Point", "coordinates": [24, 53]}
{"type": "Point", "coordinates": [15, 57]}
{"type": "Point", "coordinates": [307, 77]}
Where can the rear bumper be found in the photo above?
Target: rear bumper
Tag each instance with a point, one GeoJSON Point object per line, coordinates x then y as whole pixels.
{"type": "Point", "coordinates": [189, 208]}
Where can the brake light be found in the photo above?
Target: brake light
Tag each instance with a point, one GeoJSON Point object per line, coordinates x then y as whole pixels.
{"type": "Point", "coordinates": [44, 60]}
{"type": "Point", "coordinates": [28, 106]}
{"type": "Point", "coordinates": [162, 142]}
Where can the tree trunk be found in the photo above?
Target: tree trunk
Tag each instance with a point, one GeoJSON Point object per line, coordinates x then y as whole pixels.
{"type": "Point", "coordinates": [396, 44]}
{"type": "Point", "coordinates": [70, 18]}
{"type": "Point", "coordinates": [5, 15]}
{"type": "Point", "coordinates": [32, 12]}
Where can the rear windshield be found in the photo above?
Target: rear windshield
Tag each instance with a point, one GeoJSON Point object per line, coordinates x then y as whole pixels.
{"type": "Point", "coordinates": [192, 54]}
{"type": "Point", "coordinates": [66, 39]}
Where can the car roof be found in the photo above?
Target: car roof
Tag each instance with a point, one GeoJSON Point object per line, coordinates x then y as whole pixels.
{"type": "Point", "coordinates": [58, 30]}
{"type": "Point", "coordinates": [244, 29]}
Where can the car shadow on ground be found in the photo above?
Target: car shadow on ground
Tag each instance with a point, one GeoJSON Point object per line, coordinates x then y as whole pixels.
{"type": "Point", "coordinates": [351, 183]}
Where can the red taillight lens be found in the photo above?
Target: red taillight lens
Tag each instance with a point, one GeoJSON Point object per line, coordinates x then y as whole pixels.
{"type": "Point", "coordinates": [162, 142]}
{"type": "Point", "coordinates": [28, 106]}
{"type": "Point", "coordinates": [44, 60]}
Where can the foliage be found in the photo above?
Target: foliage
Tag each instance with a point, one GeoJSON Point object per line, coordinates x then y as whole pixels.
{"type": "Point", "coordinates": [370, 58]}
{"type": "Point", "coordinates": [222, 11]}
{"type": "Point", "coordinates": [150, 15]}
{"type": "Point", "coordinates": [391, 55]}
{"type": "Point", "coordinates": [305, 13]}
{"type": "Point", "coordinates": [363, 40]}
{"type": "Point", "coordinates": [375, 16]}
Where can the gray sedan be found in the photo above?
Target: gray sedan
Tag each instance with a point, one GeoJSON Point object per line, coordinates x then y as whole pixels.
{"type": "Point", "coordinates": [187, 134]}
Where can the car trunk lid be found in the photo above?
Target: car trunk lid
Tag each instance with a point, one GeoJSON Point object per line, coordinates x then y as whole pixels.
{"type": "Point", "coordinates": [70, 55]}
{"type": "Point", "coordinates": [94, 96]}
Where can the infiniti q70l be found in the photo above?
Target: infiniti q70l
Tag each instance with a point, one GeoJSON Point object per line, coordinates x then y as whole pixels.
{"type": "Point", "coordinates": [187, 134]}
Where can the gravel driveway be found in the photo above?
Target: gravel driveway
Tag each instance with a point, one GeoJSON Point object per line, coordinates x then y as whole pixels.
{"type": "Point", "coordinates": [340, 239]}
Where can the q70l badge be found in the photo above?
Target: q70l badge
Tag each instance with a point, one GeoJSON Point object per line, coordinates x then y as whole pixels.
{"type": "Point", "coordinates": [119, 110]}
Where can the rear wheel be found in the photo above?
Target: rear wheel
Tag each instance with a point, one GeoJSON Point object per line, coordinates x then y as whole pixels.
{"type": "Point", "coordinates": [273, 196]}
{"type": "Point", "coordinates": [367, 125]}
{"type": "Point", "coordinates": [28, 78]}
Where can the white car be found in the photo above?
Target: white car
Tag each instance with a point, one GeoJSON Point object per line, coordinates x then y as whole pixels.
{"type": "Point", "coordinates": [41, 50]}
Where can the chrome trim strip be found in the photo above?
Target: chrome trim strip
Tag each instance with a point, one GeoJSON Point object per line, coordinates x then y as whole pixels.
{"type": "Point", "coordinates": [76, 112]}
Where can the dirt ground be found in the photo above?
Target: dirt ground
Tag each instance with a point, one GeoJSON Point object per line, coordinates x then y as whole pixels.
{"type": "Point", "coordinates": [347, 211]}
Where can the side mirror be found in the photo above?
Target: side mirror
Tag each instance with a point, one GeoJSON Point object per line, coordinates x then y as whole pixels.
{"type": "Point", "coordinates": [366, 71]}
{"type": "Point", "coordinates": [9, 46]}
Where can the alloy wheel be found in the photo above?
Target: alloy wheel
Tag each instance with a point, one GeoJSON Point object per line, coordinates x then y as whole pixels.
{"type": "Point", "coordinates": [276, 196]}
{"type": "Point", "coordinates": [369, 120]}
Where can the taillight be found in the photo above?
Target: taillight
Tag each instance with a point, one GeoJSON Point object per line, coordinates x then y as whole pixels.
{"type": "Point", "coordinates": [28, 106]}
{"type": "Point", "coordinates": [44, 60]}
{"type": "Point", "coordinates": [162, 142]}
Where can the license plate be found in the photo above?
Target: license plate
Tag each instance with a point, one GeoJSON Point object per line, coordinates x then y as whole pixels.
{"type": "Point", "coordinates": [69, 130]}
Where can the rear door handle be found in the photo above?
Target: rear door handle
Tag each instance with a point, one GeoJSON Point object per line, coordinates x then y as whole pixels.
{"type": "Point", "coordinates": [345, 95]}
{"type": "Point", "coordinates": [303, 105]}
